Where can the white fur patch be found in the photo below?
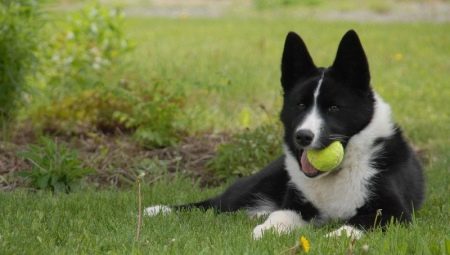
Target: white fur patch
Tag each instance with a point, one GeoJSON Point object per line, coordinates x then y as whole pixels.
{"type": "Point", "coordinates": [313, 121]}
{"type": "Point", "coordinates": [337, 195]}
{"type": "Point", "coordinates": [349, 231]}
{"type": "Point", "coordinates": [157, 209]}
{"type": "Point", "coordinates": [282, 221]}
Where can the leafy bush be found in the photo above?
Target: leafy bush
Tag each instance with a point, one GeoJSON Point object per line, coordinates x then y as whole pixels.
{"type": "Point", "coordinates": [81, 97]}
{"type": "Point", "coordinates": [18, 26]}
{"type": "Point", "coordinates": [83, 112]}
{"type": "Point", "coordinates": [248, 152]}
{"type": "Point", "coordinates": [54, 166]}
{"type": "Point", "coordinates": [79, 54]}
{"type": "Point", "coordinates": [157, 115]}
{"type": "Point", "coordinates": [150, 113]}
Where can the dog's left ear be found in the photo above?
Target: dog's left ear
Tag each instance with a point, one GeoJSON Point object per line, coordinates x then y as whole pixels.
{"type": "Point", "coordinates": [351, 63]}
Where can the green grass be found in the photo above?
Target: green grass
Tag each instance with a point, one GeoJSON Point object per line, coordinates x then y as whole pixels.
{"type": "Point", "coordinates": [230, 64]}
{"type": "Point", "coordinates": [93, 222]}
{"type": "Point", "coordinates": [227, 65]}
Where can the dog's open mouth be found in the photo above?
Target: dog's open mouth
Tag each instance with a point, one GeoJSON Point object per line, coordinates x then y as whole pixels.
{"type": "Point", "coordinates": [306, 166]}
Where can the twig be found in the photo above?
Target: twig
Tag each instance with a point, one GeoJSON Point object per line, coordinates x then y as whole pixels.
{"type": "Point", "coordinates": [351, 246]}
{"type": "Point", "coordinates": [139, 222]}
{"type": "Point", "coordinates": [292, 250]}
{"type": "Point", "coordinates": [379, 213]}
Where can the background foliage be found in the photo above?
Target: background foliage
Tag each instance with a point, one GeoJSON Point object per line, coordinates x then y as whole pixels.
{"type": "Point", "coordinates": [248, 151]}
{"type": "Point", "coordinates": [54, 166]}
{"type": "Point", "coordinates": [19, 24]}
{"type": "Point", "coordinates": [79, 88]}
{"type": "Point", "coordinates": [82, 51]}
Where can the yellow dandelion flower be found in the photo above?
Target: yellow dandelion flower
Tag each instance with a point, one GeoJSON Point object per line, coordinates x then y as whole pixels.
{"type": "Point", "coordinates": [398, 56]}
{"type": "Point", "coordinates": [304, 244]}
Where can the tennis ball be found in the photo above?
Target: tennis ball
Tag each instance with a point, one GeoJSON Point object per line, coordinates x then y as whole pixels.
{"type": "Point", "coordinates": [328, 158]}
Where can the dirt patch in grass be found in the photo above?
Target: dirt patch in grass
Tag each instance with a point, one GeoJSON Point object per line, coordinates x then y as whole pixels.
{"type": "Point", "coordinates": [10, 165]}
{"type": "Point", "coordinates": [116, 159]}
{"type": "Point", "coordinates": [192, 156]}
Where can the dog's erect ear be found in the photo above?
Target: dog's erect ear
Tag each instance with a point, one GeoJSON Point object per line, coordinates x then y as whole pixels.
{"type": "Point", "coordinates": [296, 61]}
{"type": "Point", "coordinates": [351, 63]}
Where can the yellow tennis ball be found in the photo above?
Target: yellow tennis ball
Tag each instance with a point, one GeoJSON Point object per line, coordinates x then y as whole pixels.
{"type": "Point", "coordinates": [328, 158]}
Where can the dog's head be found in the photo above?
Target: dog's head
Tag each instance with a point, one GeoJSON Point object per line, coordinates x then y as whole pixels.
{"type": "Point", "coordinates": [322, 105]}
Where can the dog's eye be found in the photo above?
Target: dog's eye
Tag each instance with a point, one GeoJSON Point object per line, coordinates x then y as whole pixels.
{"type": "Point", "coordinates": [301, 106]}
{"type": "Point", "coordinates": [333, 108]}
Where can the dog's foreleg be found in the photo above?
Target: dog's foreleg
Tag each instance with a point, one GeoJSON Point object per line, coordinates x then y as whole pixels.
{"type": "Point", "coordinates": [355, 226]}
{"type": "Point", "coordinates": [348, 231]}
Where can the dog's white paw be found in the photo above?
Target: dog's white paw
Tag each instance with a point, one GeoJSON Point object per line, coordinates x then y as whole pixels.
{"type": "Point", "coordinates": [281, 222]}
{"type": "Point", "coordinates": [157, 209]}
{"type": "Point", "coordinates": [258, 231]}
{"type": "Point", "coordinates": [349, 231]}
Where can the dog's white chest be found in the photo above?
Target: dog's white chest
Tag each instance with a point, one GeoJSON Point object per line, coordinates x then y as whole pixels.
{"type": "Point", "coordinates": [337, 195]}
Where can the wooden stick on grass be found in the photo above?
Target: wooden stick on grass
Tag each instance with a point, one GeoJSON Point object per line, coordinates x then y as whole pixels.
{"type": "Point", "coordinates": [139, 222]}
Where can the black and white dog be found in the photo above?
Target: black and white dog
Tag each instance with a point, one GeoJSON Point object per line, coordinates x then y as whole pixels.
{"type": "Point", "coordinates": [380, 178]}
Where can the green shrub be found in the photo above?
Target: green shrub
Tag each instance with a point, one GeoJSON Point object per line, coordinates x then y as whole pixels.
{"type": "Point", "coordinates": [150, 113]}
{"type": "Point", "coordinates": [82, 112]}
{"type": "Point", "coordinates": [157, 116]}
{"type": "Point", "coordinates": [53, 166]}
{"type": "Point", "coordinates": [81, 52]}
{"type": "Point", "coordinates": [70, 92]}
{"type": "Point", "coordinates": [18, 26]}
{"type": "Point", "coordinates": [248, 152]}
{"type": "Point", "coordinates": [80, 96]}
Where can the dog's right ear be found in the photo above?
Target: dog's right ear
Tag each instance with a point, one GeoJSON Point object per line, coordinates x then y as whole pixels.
{"type": "Point", "coordinates": [296, 62]}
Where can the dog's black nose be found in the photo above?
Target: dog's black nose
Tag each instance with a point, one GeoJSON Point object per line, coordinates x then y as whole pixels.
{"type": "Point", "coordinates": [304, 137]}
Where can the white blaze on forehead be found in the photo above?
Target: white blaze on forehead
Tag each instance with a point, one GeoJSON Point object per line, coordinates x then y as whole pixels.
{"type": "Point", "coordinates": [313, 121]}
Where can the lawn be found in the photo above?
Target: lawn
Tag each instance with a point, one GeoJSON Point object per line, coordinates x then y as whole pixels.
{"type": "Point", "coordinates": [92, 222]}
{"type": "Point", "coordinates": [228, 66]}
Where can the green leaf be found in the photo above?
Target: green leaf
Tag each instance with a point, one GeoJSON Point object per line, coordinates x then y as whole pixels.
{"type": "Point", "coordinates": [42, 182]}
{"type": "Point", "coordinates": [59, 187]}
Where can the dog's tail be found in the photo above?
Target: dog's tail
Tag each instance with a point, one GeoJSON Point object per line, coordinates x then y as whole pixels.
{"type": "Point", "coordinates": [202, 205]}
{"type": "Point", "coordinates": [164, 209]}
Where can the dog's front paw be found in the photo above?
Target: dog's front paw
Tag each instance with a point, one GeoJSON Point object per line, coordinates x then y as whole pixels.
{"type": "Point", "coordinates": [279, 228]}
{"type": "Point", "coordinates": [157, 209]}
{"type": "Point", "coordinates": [258, 231]}
{"type": "Point", "coordinates": [280, 221]}
{"type": "Point", "coordinates": [349, 231]}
